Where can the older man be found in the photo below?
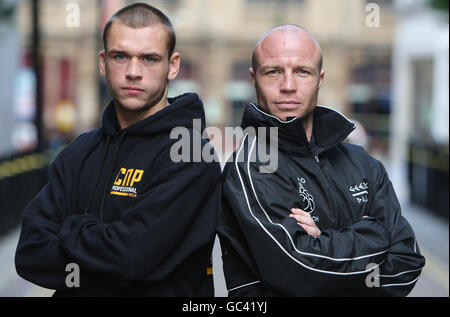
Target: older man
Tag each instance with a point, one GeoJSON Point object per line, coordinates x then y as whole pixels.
{"type": "Point", "coordinates": [326, 221]}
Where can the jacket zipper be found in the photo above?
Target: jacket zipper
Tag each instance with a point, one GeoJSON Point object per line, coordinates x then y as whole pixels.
{"type": "Point", "coordinates": [327, 180]}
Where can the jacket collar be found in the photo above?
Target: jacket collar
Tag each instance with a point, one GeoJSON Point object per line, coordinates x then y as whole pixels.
{"type": "Point", "coordinates": [329, 129]}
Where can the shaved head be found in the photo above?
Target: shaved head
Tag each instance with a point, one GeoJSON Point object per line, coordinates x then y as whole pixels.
{"type": "Point", "coordinates": [284, 28]}
{"type": "Point", "coordinates": [141, 15]}
{"type": "Point", "coordinates": [287, 73]}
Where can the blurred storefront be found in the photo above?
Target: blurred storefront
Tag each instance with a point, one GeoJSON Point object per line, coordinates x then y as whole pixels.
{"type": "Point", "coordinates": [12, 110]}
{"type": "Point", "coordinates": [68, 46]}
{"type": "Point", "coordinates": [420, 121]}
{"type": "Point", "coordinates": [216, 39]}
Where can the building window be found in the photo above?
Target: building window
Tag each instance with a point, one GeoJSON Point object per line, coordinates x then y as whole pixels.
{"type": "Point", "coordinates": [240, 91]}
{"type": "Point", "coordinates": [422, 77]}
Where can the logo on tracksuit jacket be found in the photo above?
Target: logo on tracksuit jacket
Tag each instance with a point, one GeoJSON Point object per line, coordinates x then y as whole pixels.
{"type": "Point", "coordinates": [360, 192]}
{"type": "Point", "coordinates": [306, 197]}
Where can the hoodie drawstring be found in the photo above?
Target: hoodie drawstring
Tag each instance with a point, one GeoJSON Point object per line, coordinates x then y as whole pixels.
{"type": "Point", "coordinates": [108, 141]}
{"type": "Point", "coordinates": [105, 192]}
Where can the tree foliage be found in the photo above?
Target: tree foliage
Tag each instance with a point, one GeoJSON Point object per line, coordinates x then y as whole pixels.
{"type": "Point", "coordinates": [440, 4]}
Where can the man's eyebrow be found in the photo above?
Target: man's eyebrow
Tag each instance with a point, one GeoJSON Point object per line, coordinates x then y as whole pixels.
{"type": "Point", "coordinates": [267, 66]}
{"type": "Point", "coordinates": [151, 54]}
{"type": "Point", "coordinates": [117, 52]}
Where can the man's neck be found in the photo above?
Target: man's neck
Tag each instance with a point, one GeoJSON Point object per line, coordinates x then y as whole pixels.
{"type": "Point", "coordinates": [127, 118]}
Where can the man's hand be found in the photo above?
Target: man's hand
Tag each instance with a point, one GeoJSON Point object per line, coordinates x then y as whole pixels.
{"type": "Point", "coordinates": [305, 221]}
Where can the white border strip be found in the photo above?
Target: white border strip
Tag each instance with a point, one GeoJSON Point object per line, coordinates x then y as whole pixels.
{"type": "Point", "coordinates": [248, 284]}
{"type": "Point", "coordinates": [398, 274]}
{"type": "Point", "coordinates": [292, 120]}
{"type": "Point", "coordinates": [269, 115]}
{"type": "Point", "coordinates": [401, 284]}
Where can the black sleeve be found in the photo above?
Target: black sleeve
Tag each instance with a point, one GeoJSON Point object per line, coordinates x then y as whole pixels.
{"type": "Point", "coordinates": [240, 275]}
{"type": "Point", "coordinates": [403, 264]}
{"type": "Point", "coordinates": [39, 257]}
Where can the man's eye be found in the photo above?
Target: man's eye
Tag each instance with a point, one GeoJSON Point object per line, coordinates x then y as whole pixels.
{"type": "Point", "coordinates": [148, 59]}
{"type": "Point", "coordinates": [303, 72]}
{"type": "Point", "coordinates": [272, 72]}
{"type": "Point", "coordinates": [120, 57]}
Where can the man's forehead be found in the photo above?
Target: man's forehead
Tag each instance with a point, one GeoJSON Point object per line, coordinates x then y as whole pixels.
{"type": "Point", "coordinates": [290, 44]}
{"type": "Point", "coordinates": [144, 40]}
{"type": "Point", "coordinates": [287, 29]}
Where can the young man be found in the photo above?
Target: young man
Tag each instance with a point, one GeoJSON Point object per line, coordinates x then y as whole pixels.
{"type": "Point", "coordinates": [117, 208]}
{"type": "Point", "coordinates": [326, 221]}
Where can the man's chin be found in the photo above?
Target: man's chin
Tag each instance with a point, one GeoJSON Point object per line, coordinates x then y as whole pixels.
{"type": "Point", "coordinates": [132, 106]}
{"type": "Point", "coordinates": [282, 113]}
{"type": "Point", "coordinates": [286, 116]}
{"type": "Point", "coordinates": [289, 115]}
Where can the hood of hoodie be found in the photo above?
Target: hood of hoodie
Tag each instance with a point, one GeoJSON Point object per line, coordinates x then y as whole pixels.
{"type": "Point", "coordinates": [329, 129]}
{"type": "Point", "coordinates": [179, 113]}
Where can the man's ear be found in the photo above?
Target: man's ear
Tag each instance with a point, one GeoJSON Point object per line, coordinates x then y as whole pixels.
{"type": "Point", "coordinates": [174, 66]}
{"type": "Point", "coordinates": [322, 75]}
{"type": "Point", "coordinates": [101, 57]}
{"type": "Point", "coordinates": [252, 74]}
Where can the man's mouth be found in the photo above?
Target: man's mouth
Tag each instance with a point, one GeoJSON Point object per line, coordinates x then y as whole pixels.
{"type": "Point", "coordinates": [133, 90]}
{"type": "Point", "coordinates": [288, 102]}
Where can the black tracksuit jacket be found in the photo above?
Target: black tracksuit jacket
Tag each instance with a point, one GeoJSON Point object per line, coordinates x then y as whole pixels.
{"type": "Point", "coordinates": [135, 222]}
{"type": "Point", "coordinates": [266, 253]}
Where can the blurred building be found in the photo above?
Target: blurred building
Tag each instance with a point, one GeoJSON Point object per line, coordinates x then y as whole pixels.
{"type": "Point", "coordinates": [420, 118]}
{"type": "Point", "coordinates": [216, 39]}
{"type": "Point", "coordinates": [9, 62]}
{"type": "Point", "coordinates": [68, 61]}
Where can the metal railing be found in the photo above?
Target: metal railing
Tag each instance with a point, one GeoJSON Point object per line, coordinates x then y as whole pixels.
{"type": "Point", "coordinates": [21, 178]}
{"type": "Point", "coordinates": [428, 169]}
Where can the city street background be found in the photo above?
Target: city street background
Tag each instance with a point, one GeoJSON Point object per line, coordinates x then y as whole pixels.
{"type": "Point", "coordinates": [386, 65]}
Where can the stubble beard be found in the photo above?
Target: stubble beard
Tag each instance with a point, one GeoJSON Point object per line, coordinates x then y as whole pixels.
{"type": "Point", "coordinates": [148, 104]}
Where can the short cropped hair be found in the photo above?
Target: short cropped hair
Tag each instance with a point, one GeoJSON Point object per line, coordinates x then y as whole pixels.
{"type": "Point", "coordinates": [255, 61]}
{"type": "Point", "coordinates": [140, 15]}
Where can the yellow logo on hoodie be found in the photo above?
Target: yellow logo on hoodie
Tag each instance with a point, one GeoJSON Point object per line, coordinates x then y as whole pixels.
{"type": "Point", "coordinates": [125, 179]}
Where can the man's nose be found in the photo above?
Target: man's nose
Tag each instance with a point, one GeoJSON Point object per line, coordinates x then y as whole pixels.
{"type": "Point", "coordinates": [288, 84]}
{"type": "Point", "coordinates": [134, 69]}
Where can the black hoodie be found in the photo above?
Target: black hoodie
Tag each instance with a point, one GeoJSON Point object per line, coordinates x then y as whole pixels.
{"type": "Point", "coordinates": [348, 195]}
{"type": "Point", "coordinates": [117, 206]}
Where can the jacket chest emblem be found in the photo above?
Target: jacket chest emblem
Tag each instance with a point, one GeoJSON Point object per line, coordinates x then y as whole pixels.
{"type": "Point", "coordinates": [360, 192]}
{"type": "Point", "coordinates": [306, 198]}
